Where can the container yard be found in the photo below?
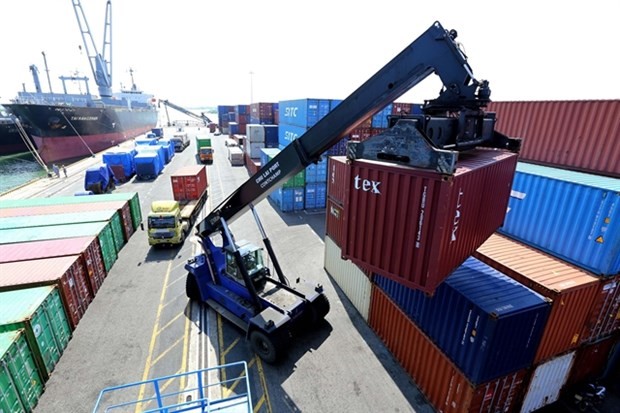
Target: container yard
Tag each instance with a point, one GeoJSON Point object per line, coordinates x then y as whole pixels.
{"type": "Point", "coordinates": [400, 269]}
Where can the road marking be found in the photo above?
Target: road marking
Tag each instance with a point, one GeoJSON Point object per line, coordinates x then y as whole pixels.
{"type": "Point", "coordinates": [147, 366]}
{"type": "Point", "coordinates": [166, 351]}
{"type": "Point", "coordinates": [263, 381]}
{"type": "Point", "coordinates": [229, 348]}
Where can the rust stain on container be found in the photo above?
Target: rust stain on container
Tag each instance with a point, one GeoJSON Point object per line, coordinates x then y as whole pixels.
{"type": "Point", "coordinates": [571, 289]}
{"type": "Point", "coordinates": [67, 273]}
{"type": "Point", "coordinates": [416, 226]}
{"type": "Point", "coordinates": [442, 382]}
{"type": "Point", "coordinates": [582, 135]}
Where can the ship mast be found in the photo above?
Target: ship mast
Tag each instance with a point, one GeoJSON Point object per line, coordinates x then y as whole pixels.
{"type": "Point", "coordinates": [100, 63]}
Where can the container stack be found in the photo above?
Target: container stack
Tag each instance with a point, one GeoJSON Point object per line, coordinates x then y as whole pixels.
{"type": "Point", "coordinates": [258, 137]}
{"type": "Point", "coordinates": [238, 119]}
{"type": "Point", "coordinates": [55, 254]}
{"type": "Point", "coordinates": [223, 117]}
{"type": "Point", "coordinates": [262, 113]}
{"type": "Point", "coordinates": [289, 196]}
{"type": "Point", "coordinates": [542, 293]}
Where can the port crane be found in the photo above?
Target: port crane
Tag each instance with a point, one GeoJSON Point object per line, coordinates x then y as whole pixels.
{"type": "Point", "coordinates": [231, 277]}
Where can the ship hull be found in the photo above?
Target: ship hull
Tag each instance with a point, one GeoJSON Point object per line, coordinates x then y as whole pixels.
{"type": "Point", "coordinates": [69, 132]}
{"type": "Point", "coordinates": [11, 141]}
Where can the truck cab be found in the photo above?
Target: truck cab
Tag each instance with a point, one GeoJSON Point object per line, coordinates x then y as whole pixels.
{"type": "Point", "coordinates": [165, 224]}
{"type": "Point", "coordinates": [206, 154]}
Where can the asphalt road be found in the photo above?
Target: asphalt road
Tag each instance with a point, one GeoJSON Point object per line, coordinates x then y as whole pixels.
{"type": "Point", "coordinates": [141, 325]}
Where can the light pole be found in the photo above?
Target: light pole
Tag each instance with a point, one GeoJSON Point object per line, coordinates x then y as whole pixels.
{"type": "Point", "coordinates": [251, 87]}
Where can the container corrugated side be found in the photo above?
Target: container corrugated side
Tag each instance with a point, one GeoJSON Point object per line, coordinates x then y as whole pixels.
{"type": "Point", "coordinates": [86, 247]}
{"type": "Point", "coordinates": [571, 289]}
{"type": "Point", "coordinates": [546, 382]}
{"type": "Point", "coordinates": [40, 313]}
{"type": "Point", "coordinates": [56, 219]}
{"type": "Point", "coordinates": [189, 182]}
{"type": "Point", "coordinates": [67, 273]}
{"type": "Point", "coordinates": [20, 383]}
{"type": "Point", "coordinates": [443, 384]}
{"type": "Point", "coordinates": [577, 134]}
{"type": "Point", "coordinates": [334, 222]}
{"type": "Point", "coordinates": [417, 226]}
{"type": "Point", "coordinates": [351, 279]}
{"type": "Point", "coordinates": [591, 360]}
{"type": "Point", "coordinates": [69, 200]}
{"type": "Point", "coordinates": [604, 316]}
{"type": "Point", "coordinates": [337, 178]}
{"type": "Point", "coordinates": [571, 215]}
{"type": "Point", "coordinates": [485, 322]}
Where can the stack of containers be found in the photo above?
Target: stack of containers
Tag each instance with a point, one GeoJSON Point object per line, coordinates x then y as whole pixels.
{"type": "Point", "coordinates": [257, 138]}
{"type": "Point", "coordinates": [261, 113]}
{"type": "Point", "coordinates": [241, 117]}
{"type": "Point", "coordinates": [289, 196]}
{"type": "Point", "coordinates": [573, 216]}
{"type": "Point", "coordinates": [54, 256]}
{"type": "Point", "coordinates": [377, 123]}
{"type": "Point", "coordinates": [224, 118]}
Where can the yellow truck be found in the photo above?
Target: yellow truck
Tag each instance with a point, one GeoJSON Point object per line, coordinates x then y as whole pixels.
{"type": "Point", "coordinates": [204, 150]}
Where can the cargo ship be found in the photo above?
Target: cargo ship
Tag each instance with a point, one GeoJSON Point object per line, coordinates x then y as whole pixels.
{"type": "Point", "coordinates": [69, 126]}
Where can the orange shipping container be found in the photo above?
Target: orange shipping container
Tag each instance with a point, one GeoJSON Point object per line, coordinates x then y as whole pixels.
{"type": "Point", "coordinates": [67, 273]}
{"type": "Point", "coordinates": [442, 382]}
{"type": "Point", "coordinates": [604, 318]}
{"type": "Point", "coordinates": [571, 290]}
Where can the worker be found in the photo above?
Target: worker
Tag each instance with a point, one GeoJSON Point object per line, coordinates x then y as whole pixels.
{"type": "Point", "coordinates": [64, 171]}
{"type": "Point", "coordinates": [56, 170]}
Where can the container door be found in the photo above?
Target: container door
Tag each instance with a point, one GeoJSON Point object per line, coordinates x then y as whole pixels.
{"type": "Point", "coordinates": [19, 367]}
{"type": "Point", "coordinates": [546, 382]}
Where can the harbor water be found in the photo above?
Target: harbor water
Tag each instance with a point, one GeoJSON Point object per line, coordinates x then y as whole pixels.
{"type": "Point", "coordinates": [17, 170]}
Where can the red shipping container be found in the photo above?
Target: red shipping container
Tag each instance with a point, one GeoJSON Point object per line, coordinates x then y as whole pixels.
{"type": "Point", "coordinates": [604, 318]}
{"type": "Point", "coordinates": [334, 222]}
{"type": "Point", "coordinates": [67, 273]}
{"type": "Point", "coordinates": [360, 134]}
{"type": "Point", "coordinates": [591, 361]}
{"type": "Point", "coordinates": [582, 135]}
{"type": "Point", "coordinates": [252, 165]}
{"type": "Point", "coordinates": [189, 183]}
{"type": "Point", "coordinates": [571, 289]}
{"type": "Point", "coordinates": [337, 179]}
{"type": "Point", "coordinates": [443, 384]}
{"type": "Point", "coordinates": [402, 108]}
{"type": "Point", "coordinates": [87, 248]}
{"type": "Point", "coordinates": [416, 226]}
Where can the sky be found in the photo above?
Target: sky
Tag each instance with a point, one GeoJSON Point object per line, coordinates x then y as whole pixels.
{"type": "Point", "coordinates": [198, 53]}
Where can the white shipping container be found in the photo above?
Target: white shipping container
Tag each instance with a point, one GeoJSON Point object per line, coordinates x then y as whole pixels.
{"type": "Point", "coordinates": [255, 133]}
{"type": "Point", "coordinates": [254, 149]}
{"type": "Point", "coordinates": [235, 156]}
{"type": "Point", "coordinates": [351, 280]}
{"type": "Point", "coordinates": [547, 382]}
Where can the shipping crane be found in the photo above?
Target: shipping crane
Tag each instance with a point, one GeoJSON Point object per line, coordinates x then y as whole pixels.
{"type": "Point", "coordinates": [232, 278]}
{"type": "Point", "coordinates": [202, 117]}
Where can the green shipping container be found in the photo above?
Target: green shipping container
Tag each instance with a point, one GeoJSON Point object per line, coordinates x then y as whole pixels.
{"type": "Point", "coordinates": [40, 313]}
{"type": "Point", "coordinates": [202, 143]}
{"type": "Point", "coordinates": [102, 230]}
{"type": "Point", "coordinates": [20, 382]}
{"type": "Point", "coordinates": [132, 197]}
{"type": "Point", "coordinates": [297, 181]}
{"type": "Point", "coordinates": [29, 221]}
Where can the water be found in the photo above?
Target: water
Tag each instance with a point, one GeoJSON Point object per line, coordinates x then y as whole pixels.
{"type": "Point", "coordinates": [18, 169]}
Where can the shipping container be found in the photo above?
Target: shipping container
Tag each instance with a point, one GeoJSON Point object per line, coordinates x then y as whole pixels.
{"type": "Point", "coordinates": [253, 149]}
{"type": "Point", "coordinates": [380, 119]}
{"type": "Point", "coordinates": [189, 182]}
{"type": "Point", "coordinates": [572, 215]}
{"type": "Point", "coordinates": [252, 165]}
{"type": "Point", "coordinates": [288, 199]}
{"type": "Point", "coordinates": [570, 289]}
{"type": "Point", "coordinates": [102, 230]}
{"type": "Point", "coordinates": [546, 382]}
{"type": "Point", "coordinates": [235, 156]}
{"type": "Point", "coordinates": [337, 178]}
{"type": "Point", "coordinates": [591, 361]}
{"type": "Point", "coordinates": [488, 324]}
{"type": "Point", "coordinates": [334, 222]}
{"type": "Point", "coordinates": [86, 247]}
{"type": "Point", "coordinates": [40, 313]}
{"type": "Point", "coordinates": [297, 181]}
{"type": "Point", "coordinates": [604, 316]}
{"type": "Point", "coordinates": [303, 112]}
{"type": "Point", "coordinates": [20, 382]}
{"type": "Point", "coordinates": [132, 197]}
{"type": "Point", "coordinates": [255, 133]}
{"type": "Point", "coordinates": [261, 113]}
{"type": "Point", "coordinates": [288, 133]}
{"type": "Point", "coordinates": [69, 274]}
{"type": "Point", "coordinates": [317, 172]}
{"type": "Point", "coordinates": [417, 226]}
{"type": "Point", "coordinates": [573, 134]}
{"type": "Point", "coordinates": [315, 196]}
{"type": "Point", "coordinates": [271, 136]}
{"type": "Point", "coordinates": [353, 282]}
{"type": "Point", "coordinates": [443, 384]}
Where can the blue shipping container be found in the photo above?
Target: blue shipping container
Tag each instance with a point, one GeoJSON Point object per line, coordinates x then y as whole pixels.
{"type": "Point", "coordinates": [288, 199]}
{"type": "Point", "coordinates": [303, 112]}
{"type": "Point", "coordinates": [380, 119]}
{"type": "Point", "coordinates": [317, 172]}
{"type": "Point", "coordinates": [572, 215]}
{"type": "Point", "coordinates": [316, 195]}
{"type": "Point", "coordinates": [271, 136]}
{"type": "Point", "coordinates": [488, 324]}
{"type": "Point", "coordinates": [288, 133]}
{"type": "Point", "coordinates": [233, 128]}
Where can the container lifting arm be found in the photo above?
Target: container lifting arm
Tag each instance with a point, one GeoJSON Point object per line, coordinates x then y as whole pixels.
{"type": "Point", "coordinates": [435, 51]}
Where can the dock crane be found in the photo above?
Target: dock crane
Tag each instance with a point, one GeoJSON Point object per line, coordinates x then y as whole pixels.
{"type": "Point", "coordinates": [202, 117]}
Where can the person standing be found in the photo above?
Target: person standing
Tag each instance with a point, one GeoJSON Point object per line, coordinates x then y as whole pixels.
{"type": "Point", "coordinates": [56, 170]}
{"type": "Point", "coordinates": [64, 170]}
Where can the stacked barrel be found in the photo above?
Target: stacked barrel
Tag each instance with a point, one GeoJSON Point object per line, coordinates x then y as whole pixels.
{"type": "Point", "coordinates": [529, 310]}
{"type": "Point", "coordinates": [55, 254]}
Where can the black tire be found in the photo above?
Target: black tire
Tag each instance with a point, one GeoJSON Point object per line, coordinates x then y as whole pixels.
{"type": "Point", "coordinates": [319, 309]}
{"type": "Point", "coordinates": [191, 288]}
{"type": "Point", "coordinates": [264, 346]}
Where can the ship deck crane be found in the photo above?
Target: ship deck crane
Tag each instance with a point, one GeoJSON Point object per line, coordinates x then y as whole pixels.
{"type": "Point", "coordinates": [231, 277]}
